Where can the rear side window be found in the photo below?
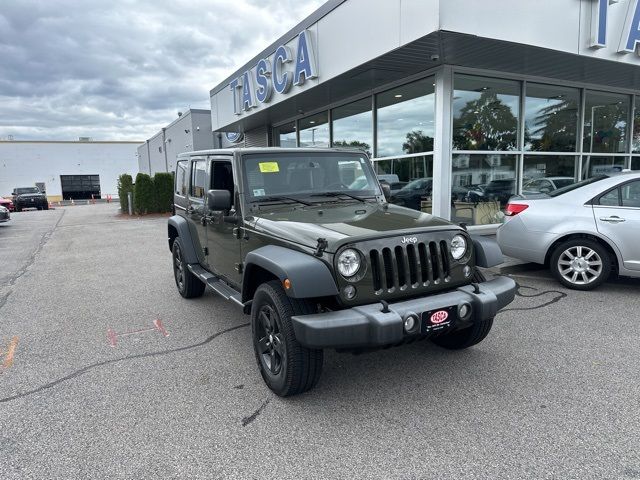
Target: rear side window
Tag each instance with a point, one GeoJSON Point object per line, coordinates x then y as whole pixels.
{"type": "Point", "coordinates": [573, 186]}
{"type": "Point", "coordinates": [182, 178]}
{"type": "Point", "coordinates": [630, 195]}
{"type": "Point", "coordinates": [627, 195]}
{"type": "Point", "coordinates": [198, 178]}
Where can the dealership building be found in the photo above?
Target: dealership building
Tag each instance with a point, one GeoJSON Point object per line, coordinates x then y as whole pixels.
{"type": "Point", "coordinates": [464, 96]}
{"type": "Point", "coordinates": [66, 169]}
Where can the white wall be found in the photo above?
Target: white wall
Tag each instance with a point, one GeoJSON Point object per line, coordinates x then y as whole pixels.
{"type": "Point", "coordinates": [360, 30]}
{"type": "Point", "coordinates": [156, 154]}
{"type": "Point", "coordinates": [143, 158]}
{"type": "Point", "coordinates": [25, 163]}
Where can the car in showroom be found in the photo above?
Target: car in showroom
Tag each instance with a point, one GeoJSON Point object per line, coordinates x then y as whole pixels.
{"type": "Point", "coordinates": [7, 203]}
{"type": "Point", "coordinates": [546, 184]}
{"type": "Point", "coordinates": [412, 193]}
{"type": "Point", "coordinates": [5, 216]}
{"type": "Point", "coordinates": [582, 232]}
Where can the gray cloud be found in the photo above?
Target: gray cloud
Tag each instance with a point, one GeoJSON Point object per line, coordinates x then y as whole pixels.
{"type": "Point", "coordinates": [120, 70]}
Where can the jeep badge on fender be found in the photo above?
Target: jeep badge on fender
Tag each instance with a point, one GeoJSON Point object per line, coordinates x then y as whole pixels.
{"type": "Point", "coordinates": [305, 242]}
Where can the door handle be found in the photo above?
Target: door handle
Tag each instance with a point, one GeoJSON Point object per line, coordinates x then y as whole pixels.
{"type": "Point", "coordinates": [613, 219]}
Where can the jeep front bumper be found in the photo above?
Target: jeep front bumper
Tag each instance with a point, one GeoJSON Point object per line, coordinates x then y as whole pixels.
{"type": "Point", "coordinates": [368, 326]}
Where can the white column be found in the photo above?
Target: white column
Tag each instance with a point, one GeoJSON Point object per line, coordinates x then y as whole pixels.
{"type": "Point", "coordinates": [442, 143]}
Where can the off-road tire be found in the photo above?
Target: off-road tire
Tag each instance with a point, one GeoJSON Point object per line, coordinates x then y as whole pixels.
{"type": "Point", "coordinates": [587, 244]}
{"type": "Point", "coordinates": [300, 367]}
{"type": "Point", "coordinates": [45, 207]}
{"type": "Point", "coordinates": [18, 209]}
{"type": "Point", "coordinates": [189, 286]}
{"type": "Point", "coordinates": [467, 337]}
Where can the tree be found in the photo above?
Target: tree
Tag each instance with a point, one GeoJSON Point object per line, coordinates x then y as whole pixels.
{"type": "Point", "coordinates": [485, 124]}
{"type": "Point", "coordinates": [125, 185]}
{"type": "Point", "coordinates": [353, 144]}
{"type": "Point", "coordinates": [554, 128]}
{"type": "Point", "coordinates": [417, 142]}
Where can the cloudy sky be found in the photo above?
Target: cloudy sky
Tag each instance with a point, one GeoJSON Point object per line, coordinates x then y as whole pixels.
{"type": "Point", "coordinates": [122, 69]}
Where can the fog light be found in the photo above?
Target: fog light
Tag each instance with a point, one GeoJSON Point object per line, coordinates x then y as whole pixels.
{"type": "Point", "coordinates": [467, 271]}
{"type": "Point", "coordinates": [410, 322]}
{"type": "Point", "coordinates": [464, 311]}
{"type": "Point", "coordinates": [350, 292]}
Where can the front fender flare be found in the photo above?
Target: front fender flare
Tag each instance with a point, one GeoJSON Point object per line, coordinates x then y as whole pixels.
{"type": "Point", "coordinates": [487, 251]}
{"type": "Point", "coordinates": [309, 276]}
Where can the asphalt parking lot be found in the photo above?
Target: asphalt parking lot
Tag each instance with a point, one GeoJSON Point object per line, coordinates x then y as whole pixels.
{"type": "Point", "coordinates": [114, 375]}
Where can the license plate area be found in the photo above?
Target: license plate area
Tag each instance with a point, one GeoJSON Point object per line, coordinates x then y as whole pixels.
{"type": "Point", "coordinates": [439, 319]}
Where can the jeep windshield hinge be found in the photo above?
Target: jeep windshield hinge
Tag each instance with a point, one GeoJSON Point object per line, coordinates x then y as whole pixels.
{"type": "Point", "coordinates": [205, 250]}
{"type": "Point", "coordinates": [321, 247]}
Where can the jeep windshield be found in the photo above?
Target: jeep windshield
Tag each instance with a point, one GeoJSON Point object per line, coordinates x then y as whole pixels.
{"type": "Point", "coordinates": [20, 191]}
{"type": "Point", "coordinates": [309, 177]}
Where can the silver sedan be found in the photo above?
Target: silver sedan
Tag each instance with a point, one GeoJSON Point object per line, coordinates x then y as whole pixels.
{"type": "Point", "coordinates": [583, 232]}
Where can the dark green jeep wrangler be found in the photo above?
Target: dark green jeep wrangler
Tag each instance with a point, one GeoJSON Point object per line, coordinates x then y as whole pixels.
{"type": "Point", "coordinates": [305, 242]}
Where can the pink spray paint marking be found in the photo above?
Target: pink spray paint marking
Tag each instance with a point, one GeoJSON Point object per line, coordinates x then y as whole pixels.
{"type": "Point", "coordinates": [112, 335]}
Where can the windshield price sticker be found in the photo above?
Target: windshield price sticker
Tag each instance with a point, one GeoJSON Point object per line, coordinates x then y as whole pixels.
{"type": "Point", "coordinates": [269, 167]}
{"type": "Point", "coordinates": [258, 192]}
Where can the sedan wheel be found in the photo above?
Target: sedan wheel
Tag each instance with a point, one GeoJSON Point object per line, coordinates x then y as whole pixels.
{"type": "Point", "coordinates": [581, 264]}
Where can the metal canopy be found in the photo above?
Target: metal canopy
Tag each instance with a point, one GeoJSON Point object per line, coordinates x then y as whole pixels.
{"type": "Point", "coordinates": [448, 48]}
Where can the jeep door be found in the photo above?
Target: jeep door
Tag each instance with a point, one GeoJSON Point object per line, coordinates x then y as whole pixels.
{"type": "Point", "coordinates": [195, 211]}
{"type": "Point", "coordinates": [222, 241]}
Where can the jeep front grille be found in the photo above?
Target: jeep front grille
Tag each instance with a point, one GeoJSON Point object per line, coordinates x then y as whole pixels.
{"type": "Point", "coordinates": [409, 266]}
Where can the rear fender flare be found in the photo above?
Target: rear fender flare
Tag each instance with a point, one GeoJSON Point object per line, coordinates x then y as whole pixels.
{"type": "Point", "coordinates": [182, 227]}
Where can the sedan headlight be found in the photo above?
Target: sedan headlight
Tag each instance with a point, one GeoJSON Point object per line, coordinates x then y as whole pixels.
{"type": "Point", "coordinates": [458, 247]}
{"type": "Point", "coordinates": [349, 262]}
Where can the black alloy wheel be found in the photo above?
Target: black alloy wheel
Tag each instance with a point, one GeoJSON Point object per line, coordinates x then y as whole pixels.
{"type": "Point", "coordinates": [189, 286]}
{"type": "Point", "coordinates": [271, 346]}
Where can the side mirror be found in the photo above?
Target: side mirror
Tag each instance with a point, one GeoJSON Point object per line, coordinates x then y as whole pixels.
{"type": "Point", "coordinates": [386, 190]}
{"type": "Point", "coordinates": [219, 200]}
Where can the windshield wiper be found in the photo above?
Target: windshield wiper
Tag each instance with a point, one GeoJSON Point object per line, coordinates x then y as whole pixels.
{"type": "Point", "coordinates": [279, 198]}
{"type": "Point", "coordinates": [337, 194]}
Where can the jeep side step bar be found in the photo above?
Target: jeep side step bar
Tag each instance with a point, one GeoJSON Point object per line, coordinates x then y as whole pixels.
{"type": "Point", "coordinates": [217, 285]}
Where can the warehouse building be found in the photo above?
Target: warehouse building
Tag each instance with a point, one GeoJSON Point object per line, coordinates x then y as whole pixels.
{"type": "Point", "coordinates": [66, 170]}
{"type": "Point", "coordinates": [190, 131]}
{"type": "Point", "coordinates": [469, 101]}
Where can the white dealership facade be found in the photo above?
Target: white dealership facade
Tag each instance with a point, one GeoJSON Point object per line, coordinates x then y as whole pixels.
{"type": "Point", "coordinates": [475, 95]}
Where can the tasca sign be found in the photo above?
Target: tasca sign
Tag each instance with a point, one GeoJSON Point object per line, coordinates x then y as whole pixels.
{"type": "Point", "coordinates": [276, 73]}
{"type": "Point", "coordinates": [627, 36]}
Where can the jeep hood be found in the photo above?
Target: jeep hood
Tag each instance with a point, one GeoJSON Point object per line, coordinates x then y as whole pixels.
{"type": "Point", "coordinates": [337, 223]}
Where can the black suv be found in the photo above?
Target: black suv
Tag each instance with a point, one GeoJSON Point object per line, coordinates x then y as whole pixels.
{"type": "Point", "coordinates": [29, 197]}
{"type": "Point", "coordinates": [319, 264]}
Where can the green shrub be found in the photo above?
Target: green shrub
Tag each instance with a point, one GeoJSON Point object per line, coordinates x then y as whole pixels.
{"type": "Point", "coordinates": [125, 185]}
{"type": "Point", "coordinates": [144, 194]}
{"type": "Point", "coordinates": [163, 185]}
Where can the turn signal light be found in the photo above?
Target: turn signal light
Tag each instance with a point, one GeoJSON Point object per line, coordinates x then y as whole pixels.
{"type": "Point", "coordinates": [514, 209]}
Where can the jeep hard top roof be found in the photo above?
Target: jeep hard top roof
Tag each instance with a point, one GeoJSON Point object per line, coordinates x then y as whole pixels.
{"type": "Point", "coordinates": [275, 150]}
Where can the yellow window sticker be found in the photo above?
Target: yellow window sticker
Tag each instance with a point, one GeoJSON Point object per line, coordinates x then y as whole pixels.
{"type": "Point", "coordinates": [269, 167]}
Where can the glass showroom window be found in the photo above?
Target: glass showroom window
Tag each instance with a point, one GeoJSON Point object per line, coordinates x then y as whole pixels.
{"type": "Point", "coordinates": [635, 138]}
{"type": "Point", "coordinates": [606, 118]}
{"type": "Point", "coordinates": [410, 179]}
{"type": "Point", "coordinates": [314, 130]}
{"type": "Point", "coordinates": [597, 165]}
{"type": "Point", "coordinates": [406, 119]}
{"type": "Point", "coordinates": [285, 135]}
{"type": "Point", "coordinates": [544, 173]}
{"type": "Point", "coordinates": [635, 163]}
{"type": "Point", "coordinates": [551, 118]}
{"type": "Point", "coordinates": [482, 185]}
{"type": "Point", "coordinates": [485, 113]}
{"type": "Point", "coordinates": [353, 125]}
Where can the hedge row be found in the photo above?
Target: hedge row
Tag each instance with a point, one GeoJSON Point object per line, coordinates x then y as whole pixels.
{"type": "Point", "coordinates": [150, 194]}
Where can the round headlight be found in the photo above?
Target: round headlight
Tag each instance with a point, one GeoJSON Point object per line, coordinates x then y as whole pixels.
{"type": "Point", "coordinates": [349, 262]}
{"type": "Point", "coordinates": [458, 247]}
